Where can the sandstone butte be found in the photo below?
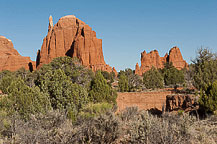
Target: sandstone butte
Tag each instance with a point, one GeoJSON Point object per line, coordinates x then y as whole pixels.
{"type": "Point", "coordinates": [153, 59]}
{"type": "Point", "coordinates": [72, 37]}
{"type": "Point", "coordinates": [10, 59]}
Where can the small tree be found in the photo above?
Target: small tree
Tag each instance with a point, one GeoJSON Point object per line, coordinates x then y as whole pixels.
{"type": "Point", "coordinates": [204, 68]}
{"type": "Point", "coordinates": [172, 76]}
{"type": "Point", "coordinates": [123, 83]}
{"type": "Point", "coordinates": [64, 95]}
{"type": "Point", "coordinates": [101, 91]}
{"type": "Point", "coordinates": [153, 79]}
{"type": "Point", "coordinates": [208, 98]}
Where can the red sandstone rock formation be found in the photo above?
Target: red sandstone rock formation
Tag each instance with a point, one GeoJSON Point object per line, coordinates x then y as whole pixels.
{"type": "Point", "coordinates": [10, 59]}
{"type": "Point", "coordinates": [175, 57]}
{"type": "Point", "coordinates": [72, 37]}
{"type": "Point", "coordinates": [180, 102]}
{"type": "Point", "coordinates": [153, 59]}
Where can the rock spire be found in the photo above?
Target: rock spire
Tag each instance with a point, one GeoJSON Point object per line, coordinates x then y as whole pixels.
{"type": "Point", "coordinates": [72, 37]}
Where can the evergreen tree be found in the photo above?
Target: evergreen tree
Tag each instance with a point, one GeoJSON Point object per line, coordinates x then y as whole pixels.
{"type": "Point", "coordinates": [63, 93]}
{"type": "Point", "coordinates": [24, 100]}
{"type": "Point", "coordinates": [101, 91]}
{"type": "Point", "coordinates": [172, 76]}
{"type": "Point", "coordinates": [153, 79]}
{"type": "Point", "coordinates": [204, 69]}
{"type": "Point", "coordinates": [123, 83]}
{"type": "Point", "coordinates": [208, 98]}
{"type": "Point", "coordinates": [71, 67]}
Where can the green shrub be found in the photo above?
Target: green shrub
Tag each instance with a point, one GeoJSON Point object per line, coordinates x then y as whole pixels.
{"type": "Point", "coordinates": [108, 76]}
{"type": "Point", "coordinates": [24, 100]}
{"type": "Point", "coordinates": [204, 68]}
{"type": "Point", "coordinates": [101, 91]}
{"type": "Point", "coordinates": [6, 82]}
{"type": "Point", "coordinates": [134, 82]}
{"type": "Point", "coordinates": [208, 98]}
{"type": "Point", "coordinates": [71, 67]}
{"type": "Point", "coordinates": [172, 76]}
{"type": "Point", "coordinates": [105, 128]}
{"type": "Point", "coordinates": [153, 79]}
{"type": "Point", "coordinates": [6, 73]}
{"type": "Point", "coordinates": [93, 110]}
{"type": "Point", "coordinates": [63, 93]}
{"type": "Point", "coordinates": [123, 83]}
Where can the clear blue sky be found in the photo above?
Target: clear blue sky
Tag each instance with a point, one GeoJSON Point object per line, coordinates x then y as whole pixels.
{"type": "Point", "coordinates": [127, 27]}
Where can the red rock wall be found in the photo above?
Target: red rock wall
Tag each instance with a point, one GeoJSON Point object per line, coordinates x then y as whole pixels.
{"type": "Point", "coordinates": [143, 100]}
{"type": "Point", "coordinates": [10, 59]}
{"type": "Point", "coordinates": [72, 37]}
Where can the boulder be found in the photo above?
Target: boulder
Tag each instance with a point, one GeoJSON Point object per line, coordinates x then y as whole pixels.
{"type": "Point", "coordinates": [10, 59]}
{"type": "Point", "coordinates": [72, 37]}
{"type": "Point", "coordinates": [153, 59]}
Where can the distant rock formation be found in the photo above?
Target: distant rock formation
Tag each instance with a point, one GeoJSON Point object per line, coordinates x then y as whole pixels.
{"type": "Point", "coordinates": [10, 59]}
{"type": "Point", "coordinates": [153, 59]}
{"type": "Point", "coordinates": [72, 37]}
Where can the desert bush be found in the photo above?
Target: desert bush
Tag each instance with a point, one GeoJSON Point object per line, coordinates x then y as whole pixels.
{"type": "Point", "coordinates": [142, 127]}
{"type": "Point", "coordinates": [101, 91]}
{"type": "Point", "coordinates": [52, 127]}
{"type": "Point", "coordinates": [6, 73]}
{"type": "Point", "coordinates": [105, 128]}
{"type": "Point", "coordinates": [6, 82]}
{"type": "Point", "coordinates": [129, 126]}
{"type": "Point", "coordinates": [153, 79]}
{"type": "Point", "coordinates": [94, 110]}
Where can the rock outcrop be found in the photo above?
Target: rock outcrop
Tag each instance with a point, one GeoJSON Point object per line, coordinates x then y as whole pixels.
{"type": "Point", "coordinates": [10, 59]}
{"type": "Point", "coordinates": [176, 58]}
{"type": "Point", "coordinates": [180, 102]}
{"type": "Point", "coordinates": [72, 37]}
{"type": "Point", "coordinates": [153, 59]}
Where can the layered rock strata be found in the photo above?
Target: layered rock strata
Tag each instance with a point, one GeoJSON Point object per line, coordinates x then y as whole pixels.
{"type": "Point", "coordinates": [10, 59]}
{"type": "Point", "coordinates": [153, 59]}
{"type": "Point", "coordinates": [72, 37]}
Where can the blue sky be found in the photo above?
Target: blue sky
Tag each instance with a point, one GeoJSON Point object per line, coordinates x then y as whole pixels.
{"type": "Point", "coordinates": [127, 27]}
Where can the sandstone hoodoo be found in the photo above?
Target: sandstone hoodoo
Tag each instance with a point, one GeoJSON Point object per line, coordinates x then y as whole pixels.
{"type": "Point", "coordinates": [153, 59]}
{"type": "Point", "coordinates": [72, 37]}
{"type": "Point", "coordinates": [10, 59]}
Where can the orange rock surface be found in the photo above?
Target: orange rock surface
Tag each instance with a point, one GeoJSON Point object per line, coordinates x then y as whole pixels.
{"type": "Point", "coordinates": [153, 59]}
{"type": "Point", "coordinates": [142, 100]}
{"type": "Point", "coordinates": [72, 37]}
{"type": "Point", "coordinates": [10, 59]}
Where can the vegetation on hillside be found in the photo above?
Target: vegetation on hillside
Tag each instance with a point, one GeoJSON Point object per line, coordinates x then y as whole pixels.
{"type": "Point", "coordinates": [64, 102]}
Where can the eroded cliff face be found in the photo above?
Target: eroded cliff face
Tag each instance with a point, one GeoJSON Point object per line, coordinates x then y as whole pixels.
{"type": "Point", "coordinates": [176, 58]}
{"type": "Point", "coordinates": [10, 59]}
{"type": "Point", "coordinates": [153, 59]}
{"type": "Point", "coordinates": [72, 37]}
